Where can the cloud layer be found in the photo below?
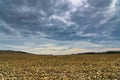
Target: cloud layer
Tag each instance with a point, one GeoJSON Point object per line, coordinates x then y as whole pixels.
{"type": "Point", "coordinates": [64, 24]}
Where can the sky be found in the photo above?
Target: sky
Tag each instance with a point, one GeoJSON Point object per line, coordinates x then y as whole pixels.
{"type": "Point", "coordinates": [60, 27]}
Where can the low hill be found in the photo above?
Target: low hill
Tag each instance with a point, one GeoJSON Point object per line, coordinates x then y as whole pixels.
{"type": "Point", "coordinates": [107, 52]}
{"type": "Point", "coordinates": [21, 52]}
{"type": "Point", "coordinates": [12, 52]}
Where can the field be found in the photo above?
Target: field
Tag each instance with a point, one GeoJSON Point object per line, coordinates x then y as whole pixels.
{"type": "Point", "coordinates": [69, 67]}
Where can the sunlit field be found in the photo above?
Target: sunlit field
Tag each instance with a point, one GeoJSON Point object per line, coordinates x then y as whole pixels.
{"type": "Point", "coordinates": [69, 67]}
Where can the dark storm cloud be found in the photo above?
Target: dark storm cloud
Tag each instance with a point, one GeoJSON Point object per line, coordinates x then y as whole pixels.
{"type": "Point", "coordinates": [100, 3]}
{"type": "Point", "coordinates": [61, 20]}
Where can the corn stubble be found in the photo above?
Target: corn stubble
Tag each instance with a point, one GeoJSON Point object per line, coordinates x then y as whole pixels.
{"type": "Point", "coordinates": [72, 67]}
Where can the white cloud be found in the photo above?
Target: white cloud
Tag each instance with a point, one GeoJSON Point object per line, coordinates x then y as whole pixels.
{"type": "Point", "coordinates": [77, 3]}
{"type": "Point", "coordinates": [109, 13]}
{"type": "Point", "coordinates": [42, 12]}
{"type": "Point", "coordinates": [60, 18]}
{"type": "Point", "coordinates": [3, 24]}
{"type": "Point", "coordinates": [81, 34]}
{"type": "Point", "coordinates": [111, 49]}
{"type": "Point", "coordinates": [63, 18]}
{"type": "Point", "coordinates": [25, 9]}
{"type": "Point", "coordinates": [61, 52]}
{"type": "Point", "coordinates": [112, 7]}
{"type": "Point", "coordinates": [49, 46]}
{"type": "Point", "coordinates": [55, 50]}
{"type": "Point", "coordinates": [54, 47]}
{"type": "Point", "coordinates": [40, 34]}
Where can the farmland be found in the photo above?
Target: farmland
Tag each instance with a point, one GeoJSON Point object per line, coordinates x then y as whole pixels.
{"type": "Point", "coordinates": [14, 66]}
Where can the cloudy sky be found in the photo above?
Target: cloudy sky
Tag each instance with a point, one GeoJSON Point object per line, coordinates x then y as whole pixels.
{"type": "Point", "coordinates": [59, 26]}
